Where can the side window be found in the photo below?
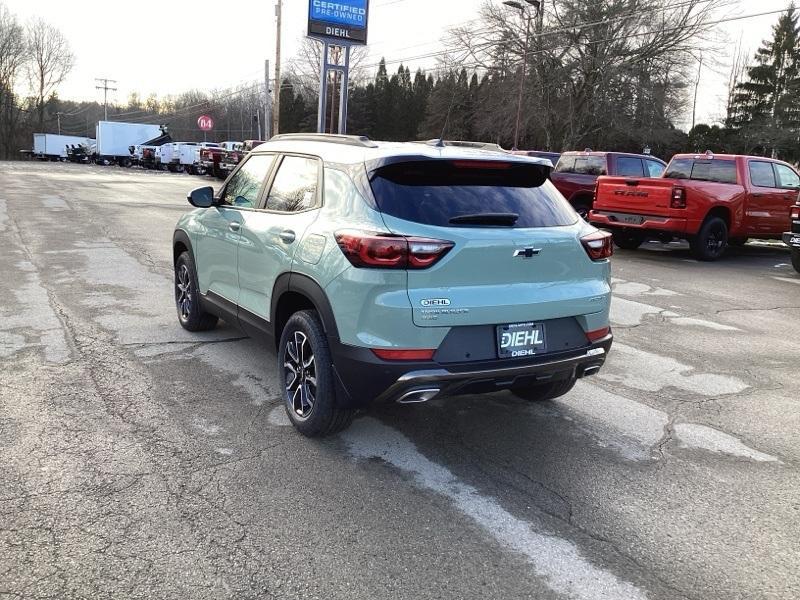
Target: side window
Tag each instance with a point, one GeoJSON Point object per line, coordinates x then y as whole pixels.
{"type": "Point", "coordinates": [761, 174]}
{"type": "Point", "coordinates": [295, 185]}
{"type": "Point", "coordinates": [566, 164]}
{"type": "Point", "coordinates": [654, 169]}
{"type": "Point", "coordinates": [787, 178]}
{"type": "Point", "coordinates": [243, 188]}
{"type": "Point", "coordinates": [629, 167]}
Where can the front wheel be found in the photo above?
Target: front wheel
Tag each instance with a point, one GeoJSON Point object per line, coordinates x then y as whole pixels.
{"type": "Point", "coordinates": [710, 242]}
{"type": "Point", "coordinates": [543, 392]}
{"type": "Point", "coordinates": [306, 366]}
{"type": "Point", "coordinates": [627, 241]}
{"type": "Point", "coordinates": [796, 260]}
{"type": "Point", "coordinates": [187, 297]}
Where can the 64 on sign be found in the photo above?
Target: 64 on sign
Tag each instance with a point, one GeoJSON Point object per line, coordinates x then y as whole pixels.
{"type": "Point", "coordinates": [205, 122]}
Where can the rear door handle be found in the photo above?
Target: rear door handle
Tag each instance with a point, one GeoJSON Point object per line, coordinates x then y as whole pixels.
{"type": "Point", "coordinates": [287, 236]}
{"type": "Point", "coordinates": [234, 227]}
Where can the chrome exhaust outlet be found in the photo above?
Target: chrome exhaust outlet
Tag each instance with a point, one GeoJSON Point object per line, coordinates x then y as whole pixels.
{"type": "Point", "coordinates": [591, 370]}
{"type": "Point", "coordinates": [418, 396]}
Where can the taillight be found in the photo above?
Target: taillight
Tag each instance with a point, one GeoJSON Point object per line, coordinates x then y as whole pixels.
{"type": "Point", "coordinates": [796, 212]}
{"type": "Point", "coordinates": [598, 245]}
{"type": "Point", "coordinates": [408, 355]}
{"type": "Point", "coordinates": [598, 334]}
{"type": "Point", "coordinates": [373, 251]}
{"type": "Point", "coordinates": [678, 199]}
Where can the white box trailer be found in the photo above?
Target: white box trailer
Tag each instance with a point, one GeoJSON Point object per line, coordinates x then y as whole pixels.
{"type": "Point", "coordinates": [53, 146]}
{"type": "Point", "coordinates": [114, 140]}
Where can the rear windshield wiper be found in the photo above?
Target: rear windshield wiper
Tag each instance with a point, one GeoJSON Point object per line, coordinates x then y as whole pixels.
{"type": "Point", "coordinates": [500, 219]}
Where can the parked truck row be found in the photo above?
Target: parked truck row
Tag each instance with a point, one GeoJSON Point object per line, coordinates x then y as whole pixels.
{"type": "Point", "coordinates": [146, 145]}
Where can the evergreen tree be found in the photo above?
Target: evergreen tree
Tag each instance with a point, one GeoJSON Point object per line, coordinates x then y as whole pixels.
{"type": "Point", "coordinates": [765, 108]}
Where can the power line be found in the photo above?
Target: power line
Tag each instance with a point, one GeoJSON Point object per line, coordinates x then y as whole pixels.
{"type": "Point", "coordinates": [105, 89]}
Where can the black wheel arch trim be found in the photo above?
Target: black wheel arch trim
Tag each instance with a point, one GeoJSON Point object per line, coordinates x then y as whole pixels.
{"type": "Point", "coordinates": [308, 287]}
{"type": "Point", "coordinates": [181, 236]}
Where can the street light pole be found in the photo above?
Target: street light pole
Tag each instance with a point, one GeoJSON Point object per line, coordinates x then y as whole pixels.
{"type": "Point", "coordinates": [525, 12]}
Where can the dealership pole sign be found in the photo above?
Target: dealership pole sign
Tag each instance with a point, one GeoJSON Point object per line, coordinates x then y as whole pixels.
{"type": "Point", "coordinates": [343, 21]}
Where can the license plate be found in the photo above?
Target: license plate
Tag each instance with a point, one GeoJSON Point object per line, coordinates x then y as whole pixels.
{"type": "Point", "coordinates": [520, 339]}
{"type": "Point", "coordinates": [632, 219]}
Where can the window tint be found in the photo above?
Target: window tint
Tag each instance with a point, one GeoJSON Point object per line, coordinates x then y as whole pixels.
{"type": "Point", "coordinates": [295, 185]}
{"type": "Point", "coordinates": [719, 171]}
{"type": "Point", "coordinates": [244, 187]}
{"type": "Point", "coordinates": [761, 174]}
{"type": "Point", "coordinates": [787, 178]}
{"type": "Point", "coordinates": [629, 167]}
{"type": "Point", "coordinates": [654, 169]}
{"type": "Point", "coordinates": [435, 192]}
{"type": "Point", "coordinates": [566, 164]}
{"type": "Point", "coordinates": [590, 165]}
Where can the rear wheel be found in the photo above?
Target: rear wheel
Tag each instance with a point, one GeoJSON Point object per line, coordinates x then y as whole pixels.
{"type": "Point", "coordinates": [544, 391]}
{"type": "Point", "coordinates": [187, 298]}
{"type": "Point", "coordinates": [582, 207]}
{"type": "Point", "coordinates": [305, 363]}
{"type": "Point", "coordinates": [627, 241]}
{"type": "Point", "coordinates": [796, 260]}
{"type": "Point", "coordinates": [710, 242]}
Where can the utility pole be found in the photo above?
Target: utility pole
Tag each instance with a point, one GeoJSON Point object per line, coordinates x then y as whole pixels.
{"type": "Point", "coordinates": [268, 103]}
{"type": "Point", "coordinates": [527, 18]}
{"type": "Point", "coordinates": [58, 116]}
{"type": "Point", "coordinates": [105, 89]}
{"type": "Point", "coordinates": [696, 86]}
{"type": "Point", "coordinates": [276, 111]}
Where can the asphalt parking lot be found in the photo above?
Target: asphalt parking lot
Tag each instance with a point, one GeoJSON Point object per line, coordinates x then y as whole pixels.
{"type": "Point", "coordinates": [141, 461]}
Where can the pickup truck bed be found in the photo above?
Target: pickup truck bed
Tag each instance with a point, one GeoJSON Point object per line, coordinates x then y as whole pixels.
{"type": "Point", "coordinates": [709, 200]}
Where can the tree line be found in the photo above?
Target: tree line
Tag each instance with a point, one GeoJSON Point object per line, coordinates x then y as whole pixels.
{"type": "Point", "coordinates": [608, 74]}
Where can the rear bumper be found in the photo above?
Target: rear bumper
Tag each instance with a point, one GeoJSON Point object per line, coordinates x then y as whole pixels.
{"type": "Point", "coordinates": [621, 220]}
{"type": "Point", "coordinates": [363, 378]}
{"type": "Point", "coordinates": [792, 240]}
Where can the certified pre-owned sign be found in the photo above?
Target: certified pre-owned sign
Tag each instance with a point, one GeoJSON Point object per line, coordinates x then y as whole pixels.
{"type": "Point", "coordinates": [344, 20]}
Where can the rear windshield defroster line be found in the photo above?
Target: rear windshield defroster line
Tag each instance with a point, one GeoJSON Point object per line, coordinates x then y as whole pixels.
{"type": "Point", "coordinates": [438, 192]}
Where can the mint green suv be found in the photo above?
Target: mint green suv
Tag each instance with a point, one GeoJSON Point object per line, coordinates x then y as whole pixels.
{"type": "Point", "coordinates": [388, 272]}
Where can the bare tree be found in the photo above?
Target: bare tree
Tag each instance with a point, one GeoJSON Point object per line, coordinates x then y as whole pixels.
{"type": "Point", "coordinates": [51, 60]}
{"type": "Point", "coordinates": [12, 56]}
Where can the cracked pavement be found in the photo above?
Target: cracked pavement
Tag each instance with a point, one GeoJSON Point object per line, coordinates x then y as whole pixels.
{"type": "Point", "coordinates": [141, 461]}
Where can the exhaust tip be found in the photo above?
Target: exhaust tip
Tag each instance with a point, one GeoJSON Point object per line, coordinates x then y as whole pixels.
{"type": "Point", "coordinates": [418, 396]}
{"type": "Point", "coordinates": [588, 371]}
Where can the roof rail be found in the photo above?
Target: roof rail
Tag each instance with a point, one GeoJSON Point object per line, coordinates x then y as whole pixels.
{"type": "Point", "coordinates": [466, 144]}
{"type": "Point", "coordinates": [347, 140]}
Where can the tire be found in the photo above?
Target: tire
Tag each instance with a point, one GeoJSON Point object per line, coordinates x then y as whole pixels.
{"type": "Point", "coordinates": [737, 241]}
{"type": "Point", "coordinates": [709, 244]}
{"type": "Point", "coordinates": [796, 260]}
{"type": "Point", "coordinates": [309, 386]}
{"type": "Point", "coordinates": [627, 241]}
{"type": "Point", "coordinates": [200, 171]}
{"type": "Point", "coordinates": [544, 392]}
{"type": "Point", "coordinates": [187, 297]}
{"type": "Point", "coordinates": [582, 207]}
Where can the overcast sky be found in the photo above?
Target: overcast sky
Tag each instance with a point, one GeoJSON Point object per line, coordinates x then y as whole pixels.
{"type": "Point", "coordinates": [177, 45]}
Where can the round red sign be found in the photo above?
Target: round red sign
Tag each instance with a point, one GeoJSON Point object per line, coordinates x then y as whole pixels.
{"type": "Point", "coordinates": [205, 123]}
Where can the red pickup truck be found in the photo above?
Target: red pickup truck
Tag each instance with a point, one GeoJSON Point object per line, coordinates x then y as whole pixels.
{"type": "Point", "coordinates": [709, 200]}
{"type": "Point", "coordinates": [576, 173]}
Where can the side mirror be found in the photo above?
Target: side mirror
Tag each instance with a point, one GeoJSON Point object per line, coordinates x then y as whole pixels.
{"type": "Point", "coordinates": [201, 197]}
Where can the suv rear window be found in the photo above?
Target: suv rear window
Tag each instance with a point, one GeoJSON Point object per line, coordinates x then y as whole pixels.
{"type": "Point", "coordinates": [434, 192]}
{"type": "Point", "coordinates": [718, 171]}
{"type": "Point", "coordinates": [582, 165]}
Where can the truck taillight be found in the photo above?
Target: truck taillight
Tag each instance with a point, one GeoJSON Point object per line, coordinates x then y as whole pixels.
{"type": "Point", "coordinates": [374, 251]}
{"type": "Point", "coordinates": [796, 212]}
{"type": "Point", "coordinates": [678, 199]}
{"type": "Point", "coordinates": [598, 245]}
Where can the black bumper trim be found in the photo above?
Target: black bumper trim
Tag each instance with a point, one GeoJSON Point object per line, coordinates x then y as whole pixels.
{"type": "Point", "coordinates": [789, 236]}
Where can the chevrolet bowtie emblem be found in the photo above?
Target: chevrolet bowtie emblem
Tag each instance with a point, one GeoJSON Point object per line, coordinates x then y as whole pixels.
{"type": "Point", "coordinates": [527, 252]}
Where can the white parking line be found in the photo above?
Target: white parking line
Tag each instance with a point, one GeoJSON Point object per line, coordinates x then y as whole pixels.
{"type": "Point", "coordinates": [558, 561]}
{"type": "Point", "coordinates": [787, 280]}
